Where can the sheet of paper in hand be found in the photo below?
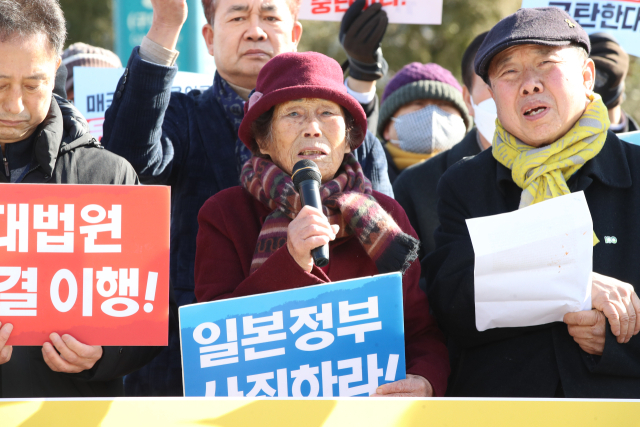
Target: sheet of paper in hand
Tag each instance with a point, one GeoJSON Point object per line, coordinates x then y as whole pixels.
{"type": "Point", "coordinates": [533, 265]}
{"type": "Point", "coordinates": [339, 339]}
{"type": "Point", "coordinates": [423, 12]}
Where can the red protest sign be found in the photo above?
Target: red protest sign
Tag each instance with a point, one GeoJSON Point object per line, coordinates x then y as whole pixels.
{"type": "Point", "coordinates": [91, 261]}
{"type": "Point", "coordinates": [427, 12]}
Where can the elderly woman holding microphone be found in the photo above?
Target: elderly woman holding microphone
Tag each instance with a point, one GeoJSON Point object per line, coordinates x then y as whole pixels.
{"type": "Point", "coordinates": [258, 238]}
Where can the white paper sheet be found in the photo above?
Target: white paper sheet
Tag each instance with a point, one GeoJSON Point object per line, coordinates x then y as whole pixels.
{"type": "Point", "coordinates": [533, 265]}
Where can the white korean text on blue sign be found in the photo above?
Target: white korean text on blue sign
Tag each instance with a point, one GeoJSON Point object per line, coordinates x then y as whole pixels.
{"type": "Point", "coordinates": [339, 339]}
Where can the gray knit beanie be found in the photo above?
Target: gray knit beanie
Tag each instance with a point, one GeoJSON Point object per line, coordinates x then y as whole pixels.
{"type": "Point", "coordinates": [84, 55]}
{"type": "Point", "coordinates": [421, 81]}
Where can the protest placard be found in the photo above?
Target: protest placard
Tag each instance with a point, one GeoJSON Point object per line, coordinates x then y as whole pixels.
{"type": "Point", "coordinates": [630, 137]}
{"type": "Point", "coordinates": [424, 12]}
{"type": "Point", "coordinates": [86, 260]}
{"type": "Point", "coordinates": [619, 18]}
{"type": "Point", "coordinates": [94, 90]}
{"type": "Point", "coordinates": [338, 339]}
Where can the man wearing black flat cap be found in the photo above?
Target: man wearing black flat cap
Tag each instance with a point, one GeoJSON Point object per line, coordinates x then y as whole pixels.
{"type": "Point", "coordinates": [612, 65]}
{"type": "Point", "coordinates": [552, 138]}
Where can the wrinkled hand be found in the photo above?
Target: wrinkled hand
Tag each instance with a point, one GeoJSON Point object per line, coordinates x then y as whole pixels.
{"type": "Point", "coordinates": [619, 303]}
{"type": "Point", "coordinates": [413, 386]}
{"type": "Point", "coordinates": [170, 13]}
{"type": "Point", "coordinates": [360, 35]}
{"type": "Point", "coordinates": [74, 356]}
{"type": "Point", "coordinates": [587, 329]}
{"type": "Point", "coordinates": [168, 18]}
{"type": "Point", "coordinates": [309, 230]}
{"type": "Point", "coordinates": [5, 350]}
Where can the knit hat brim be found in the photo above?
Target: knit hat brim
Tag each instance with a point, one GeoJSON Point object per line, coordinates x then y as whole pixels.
{"type": "Point", "coordinates": [422, 89]}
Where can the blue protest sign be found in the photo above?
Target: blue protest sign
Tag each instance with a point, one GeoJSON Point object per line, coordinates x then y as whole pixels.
{"type": "Point", "coordinates": [630, 137]}
{"type": "Point", "coordinates": [339, 339]}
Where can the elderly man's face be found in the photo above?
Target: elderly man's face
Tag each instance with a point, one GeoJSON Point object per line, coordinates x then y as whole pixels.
{"type": "Point", "coordinates": [312, 129]}
{"type": "Point", "coordinates": [540, 91]}
{"type": "Point", "coordinates": [248, 33]}
{"type": "Point", "coordinates": [27, 77]}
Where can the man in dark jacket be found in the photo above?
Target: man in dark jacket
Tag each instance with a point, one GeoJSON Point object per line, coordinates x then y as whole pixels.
{"type": "Point", "coordinates": [44, 139]}
{"type": "Point", "coordinates": [191, 141]}
{"type": "Point", "coordinates": [415, 188]}
{"type": "Point", "coordinates": [536, 63]}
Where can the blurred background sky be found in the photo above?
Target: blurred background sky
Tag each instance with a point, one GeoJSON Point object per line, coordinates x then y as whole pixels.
{"type": "Point", "coordinates": [90, 21]}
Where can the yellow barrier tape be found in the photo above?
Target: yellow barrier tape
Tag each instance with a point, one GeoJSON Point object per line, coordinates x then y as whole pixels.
{"type": "Point", "coordinates": [353, 412]}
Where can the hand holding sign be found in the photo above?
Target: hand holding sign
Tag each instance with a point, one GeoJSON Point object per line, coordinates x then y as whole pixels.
{"type": "Point", "coordinates": [5, 350]}
{"type": "Point", "coordinates": [74, 356]}
{"type": "Point", "coordinates": [412, 386]}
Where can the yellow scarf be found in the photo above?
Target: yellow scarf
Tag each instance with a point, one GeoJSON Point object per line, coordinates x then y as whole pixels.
{"type": "Point", "coordinates": [542, 172]}
{"type": "Point", "coordinates": [404, 159]}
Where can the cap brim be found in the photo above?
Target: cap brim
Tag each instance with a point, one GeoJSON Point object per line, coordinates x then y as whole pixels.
{"type": "Point", "coordinates": [486, 61]}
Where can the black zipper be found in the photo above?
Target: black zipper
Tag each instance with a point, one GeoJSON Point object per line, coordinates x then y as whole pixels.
{"type": "Point", "coordinates": [6, 166]}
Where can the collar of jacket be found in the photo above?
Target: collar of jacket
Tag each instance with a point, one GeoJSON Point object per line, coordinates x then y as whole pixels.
{"type": "Point", "coordinates": [465, 148]}
{"type": "Point", "coordinates": [62, 130]}
{"type": "Point", "coordinates": [49, 138]}
{"type": "Point", "coordinates": [610, 167]}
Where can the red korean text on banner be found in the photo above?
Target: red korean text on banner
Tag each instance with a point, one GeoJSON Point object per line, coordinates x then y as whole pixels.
{"type": "Point", "coordinates": [423, 12]}
{"type": "Point", "coordinates": [91, 261]}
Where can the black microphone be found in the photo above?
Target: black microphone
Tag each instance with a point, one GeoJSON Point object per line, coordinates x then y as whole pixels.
{"type": "Point", "coordinates": [307, 178]}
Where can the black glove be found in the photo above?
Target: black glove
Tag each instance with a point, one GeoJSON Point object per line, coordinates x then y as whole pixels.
{"type": "Point", "coordinates": [360, 36]}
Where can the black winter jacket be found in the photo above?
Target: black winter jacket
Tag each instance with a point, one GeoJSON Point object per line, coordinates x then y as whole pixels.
{"type": "Point", "coordinates": [415, 188]}
{"type": "Point", "coordinates": [535, 361]}
{"type": "Point", "coordinates": [65, 153]}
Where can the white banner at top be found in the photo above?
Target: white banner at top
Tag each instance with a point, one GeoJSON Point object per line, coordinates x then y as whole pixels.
{"type": "Point", "coordinates": [618, 18]}
{"type": "Point", "coordinates": [424, 12]}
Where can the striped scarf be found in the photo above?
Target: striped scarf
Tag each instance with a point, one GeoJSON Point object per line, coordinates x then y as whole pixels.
{"type": "Point", "coordinates": [542, 172]}
{"type": "Point", "coordinates": [347, 200]}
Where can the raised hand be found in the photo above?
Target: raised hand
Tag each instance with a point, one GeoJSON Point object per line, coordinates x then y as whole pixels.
{"type": "Point", "coordinates": [168, 18]}
{"type": "Point", "coordinates": [360, 35]}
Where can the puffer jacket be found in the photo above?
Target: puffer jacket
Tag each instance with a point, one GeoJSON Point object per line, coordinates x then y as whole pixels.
{"type": "Point", "coordinates": [64, 152]}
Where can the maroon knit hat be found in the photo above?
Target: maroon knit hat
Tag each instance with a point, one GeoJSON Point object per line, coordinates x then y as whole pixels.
{"type": "Point", "coordinates": [294, 75]}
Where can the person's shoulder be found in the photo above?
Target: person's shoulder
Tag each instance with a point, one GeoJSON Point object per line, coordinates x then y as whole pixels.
{"type": "Point", "coordinates": [95, 165]}
{"type": "Point", "coordinates": [433, 167]}
{"type": "Point", "coordinates": [232, 199]}
{"type": "Point", "coordinates": [472, 166]}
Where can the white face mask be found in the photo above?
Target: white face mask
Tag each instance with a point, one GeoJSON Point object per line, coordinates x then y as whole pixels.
{"type": "Point", "coordinates": [428, 130]}
{"type": "Point", "coordinates": [485, 115]}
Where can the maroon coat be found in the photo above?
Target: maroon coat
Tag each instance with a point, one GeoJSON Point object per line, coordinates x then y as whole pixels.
{"type": "Point", "coordinates": [230, 223]}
